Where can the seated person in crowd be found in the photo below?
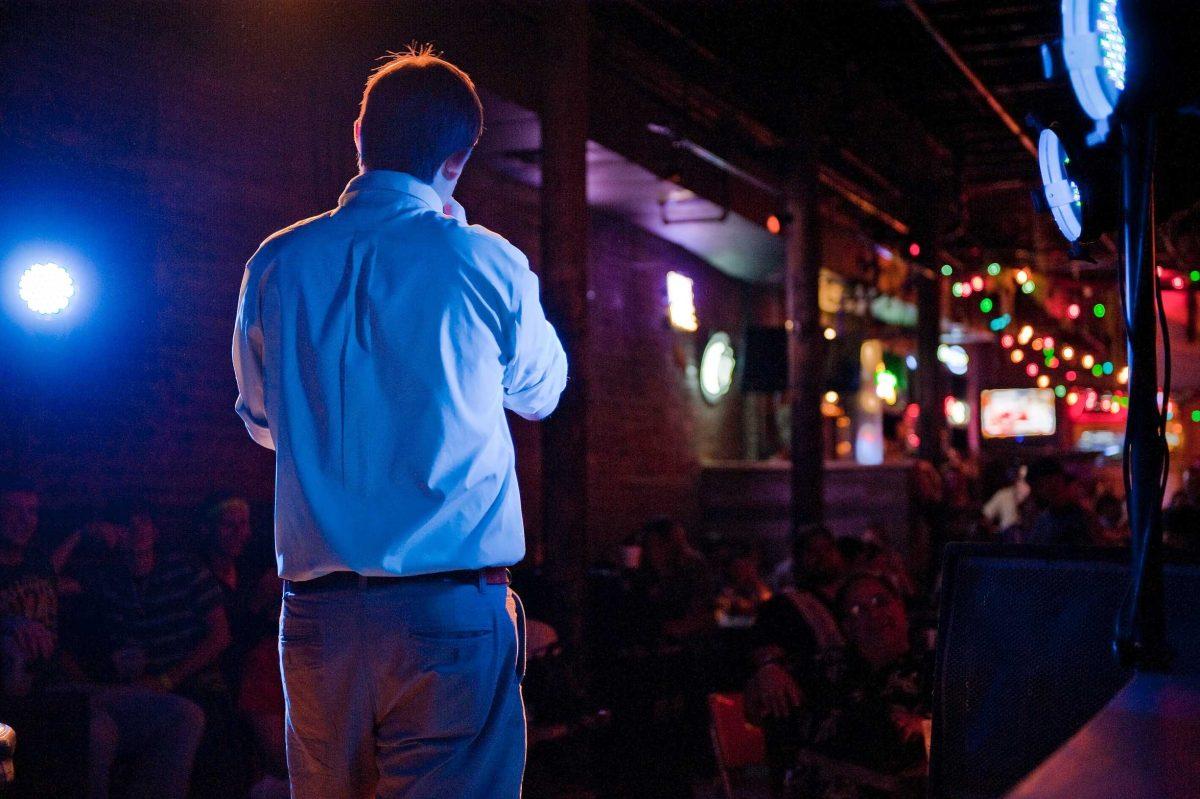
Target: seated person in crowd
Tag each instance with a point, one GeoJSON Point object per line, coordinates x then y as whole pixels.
{"type": "Point", "coordinates": [742, 593]}
{"type": "Point", "coordinates": [41, 691]}
{"type": "Point", "coordinates": [249, 591]}
{"type": "Point", "coordinates": [97, 545]}
{"type": "Point", "coordinates": [794, 631]}
{"type": "Point", "coordinates": [1112, 525]}
{"type": "Point", "coordinates": [1007, 510]}
{"type": "Point", "coordinates": [166, 608]}
{"type": "Point", "coordinates": [1181, 517]}
{"type": "Point", "coordinates": [260, 703]}
{"type": "Point", "coordinates": [869, 709]}
{"type": "Point", "coordinates": [225, 531]}
{"type": "Point", "coordinates": [875, 557]}
{"type": "Point", "coordinates": [668, 670]}
{"type": "Point", "coordinates": [887, 705]}
{"type": "Point", "coordinates": [674, 583]}
{"type": "Point", "coordinates": [158, 617]}
{"type": "Point", "coordinates": [1062, 518]}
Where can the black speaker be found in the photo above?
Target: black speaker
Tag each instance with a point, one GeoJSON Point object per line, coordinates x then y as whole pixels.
{"type": "Point", "coordinates": [764, 364]}
{"type": "Point", "coordinates": [1024, 656]}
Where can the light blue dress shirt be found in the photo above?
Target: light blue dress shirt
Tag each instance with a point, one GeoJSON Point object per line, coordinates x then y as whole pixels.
{"type": "Point", "coordinates": [376, 348]}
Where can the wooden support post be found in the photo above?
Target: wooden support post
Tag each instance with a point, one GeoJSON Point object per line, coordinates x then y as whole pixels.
{"type": "Point", "coordinates": [931, 424]}
{"type": "Point", "coordinates": [564, 276]}
{"type": "Point", "coordinates": [802, 252]}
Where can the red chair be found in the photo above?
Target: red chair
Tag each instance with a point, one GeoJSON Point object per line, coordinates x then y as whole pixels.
{"type": "Point", "coordinates": [737, 743]}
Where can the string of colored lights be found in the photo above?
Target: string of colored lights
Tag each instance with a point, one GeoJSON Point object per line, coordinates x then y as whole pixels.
{"type": "Point", "coordinates": [1076, 362]}
{"type": "Point", "coordinates": [1055, 353]}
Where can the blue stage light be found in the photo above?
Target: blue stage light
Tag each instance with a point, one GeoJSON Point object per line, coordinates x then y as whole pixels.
{"type": "Point", "coordinates": [1094, 52]}
{"type": "Point", "coordinates": [1062, 193]}
{"type": "Point", "coordinates": [1112, 43]}
{"type": "Point", "coordinates": [46, 288]}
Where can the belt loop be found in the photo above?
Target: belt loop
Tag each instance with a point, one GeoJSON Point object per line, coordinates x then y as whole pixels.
{"type": "Point", "coordinates": [482, 582]}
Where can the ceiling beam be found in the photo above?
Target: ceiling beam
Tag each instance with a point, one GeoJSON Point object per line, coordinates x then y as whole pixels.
{"type": "Point", "coordinates": [972, 78]}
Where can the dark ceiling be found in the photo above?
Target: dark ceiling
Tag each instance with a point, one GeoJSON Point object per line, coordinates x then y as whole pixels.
{"type": "Point", "coordinates": [872, 62]}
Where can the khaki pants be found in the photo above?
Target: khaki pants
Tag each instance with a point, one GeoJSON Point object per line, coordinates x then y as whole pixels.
{"type": "Point", "coordinates": [409, 690]}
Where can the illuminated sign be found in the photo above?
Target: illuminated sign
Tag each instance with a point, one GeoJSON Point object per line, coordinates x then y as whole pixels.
{"type": "Point", "coordinates": [716, 367]}
{"type": "Point", "coordinates": [681, 302]}
{"type": "Point", "coordinates": [1013, 412]}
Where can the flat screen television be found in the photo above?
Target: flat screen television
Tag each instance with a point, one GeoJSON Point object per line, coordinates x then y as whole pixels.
{"type": "Point", "coordinates": [1017, 412]}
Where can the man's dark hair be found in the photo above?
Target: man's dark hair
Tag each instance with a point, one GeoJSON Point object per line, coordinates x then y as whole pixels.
{"type": "Point", "coordinates": [417, 111]}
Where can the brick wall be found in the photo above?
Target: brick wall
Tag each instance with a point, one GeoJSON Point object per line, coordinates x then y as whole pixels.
{"type": "Point", "coordinates": [649, 428]}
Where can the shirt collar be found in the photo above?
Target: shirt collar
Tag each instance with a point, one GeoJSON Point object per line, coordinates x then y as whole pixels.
{"type": "Point", "coordinates": [398, 182]}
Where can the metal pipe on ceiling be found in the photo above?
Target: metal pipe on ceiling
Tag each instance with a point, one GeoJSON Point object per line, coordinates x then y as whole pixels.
{"type": "Point", "coordinates": [972, 78]}
{"type": "Point", "coordinates": [841, 185]}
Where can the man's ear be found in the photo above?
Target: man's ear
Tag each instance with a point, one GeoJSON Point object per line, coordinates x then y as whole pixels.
{"type": "Point", "coordinates": [452, 167]}
{"type": "Point", "coordinates": [358, 138]}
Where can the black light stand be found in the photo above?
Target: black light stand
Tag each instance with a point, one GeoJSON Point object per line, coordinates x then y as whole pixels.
{"type": "Point", "coordinates": [1146, 742]}
{"type": "Point", "coordinates": [1141, 632]}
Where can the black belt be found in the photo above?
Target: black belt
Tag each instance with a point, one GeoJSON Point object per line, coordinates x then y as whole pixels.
{"type": "Point", "coordinates": [492, 575]}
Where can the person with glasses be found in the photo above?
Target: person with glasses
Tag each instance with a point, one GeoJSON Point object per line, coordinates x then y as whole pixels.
{"type": "Point", "coordinates": [871, 710]}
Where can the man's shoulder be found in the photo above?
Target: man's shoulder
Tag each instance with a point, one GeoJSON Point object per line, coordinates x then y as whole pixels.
{"type": "Point", "coordinates": [296, 234]}
{"type": "Point", "coordinates": [478, 245]}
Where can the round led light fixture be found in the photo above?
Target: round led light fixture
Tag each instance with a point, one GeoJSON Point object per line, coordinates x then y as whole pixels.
{"type": "Point", "coordinates": [1063, 196]}
{"type": "Point", "coordinates": [1094, 54]}
{"type": "Point", "coordinates": [716, 367]}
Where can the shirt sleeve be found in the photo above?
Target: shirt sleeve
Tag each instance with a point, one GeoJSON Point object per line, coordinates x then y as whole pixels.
{"type": "Point", "coordinates": [248, 363]}
{"type": "Point", "coordinates": [536, 370]}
